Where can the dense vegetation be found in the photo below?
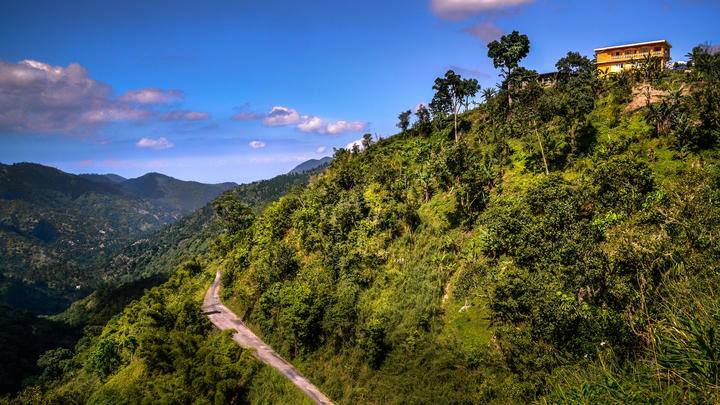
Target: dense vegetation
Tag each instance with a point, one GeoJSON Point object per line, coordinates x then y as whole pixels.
{"type": "Point", "coordinates": [555, 244]}
{"type": "Point", "coordinates": [118, 280]}
{"type": "Point", "coordinates": [564, 246]}
{"type": "Point", "coordinates": [161, 349]}
{"type": "Point", "coordinates": [56, 228]}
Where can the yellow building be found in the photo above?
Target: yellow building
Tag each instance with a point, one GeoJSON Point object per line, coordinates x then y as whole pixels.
{"type": "Point", "coordinates": [617, 58]}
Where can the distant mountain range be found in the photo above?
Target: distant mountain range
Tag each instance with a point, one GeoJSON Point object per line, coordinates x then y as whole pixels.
{"type": "Point", "coordinates": [62, 235]}
{"type": "Point", "coordinates": [311, 165]}
{"type": "Point", "coordinates": [186, 196]}
{"type": "Point", "coordinates": [54, 224]}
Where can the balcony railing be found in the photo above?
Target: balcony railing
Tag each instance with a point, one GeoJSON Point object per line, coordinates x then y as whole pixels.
{"type": "Point", "coordinates": [636, 55]}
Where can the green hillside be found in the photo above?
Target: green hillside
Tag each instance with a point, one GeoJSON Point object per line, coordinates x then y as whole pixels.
{"type": "Point", "coordinates": [57, 229]}
{"type": "Point", "coordinates": [54, 224]}
{"type": "Point", "coordinates": [187, 196]}
{"type": "Point", "coordinates": [553, 245]}
{"type": "Point", "coordinates": [149, 261]}
{"type": "Point", "coordinates": [120, 279]}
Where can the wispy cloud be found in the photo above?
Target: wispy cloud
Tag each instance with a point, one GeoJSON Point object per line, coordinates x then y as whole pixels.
{"type": "Point", "coordinates": [483, 11]}
{"type": "Point", "coordinates": [39, 98]}
{"type": "Point", "coordinates": [157, 144]}
{"type": "Point", "coordinates": [459, 10]}
{"type": "Point", "coordinates": [321, 149]}
{"type": "Point", "coordinates": [247, 116]}
{"type": "Point", "coordinates": [151, 96]}
{"type": "Point", "coordinates": [257, 144]}
{"type": "Point", "coordinates": [180, 115]}
{"type": "Point", "coordinates": [486, 31]}
{"type": "Point", "coordinates": [471, 72]}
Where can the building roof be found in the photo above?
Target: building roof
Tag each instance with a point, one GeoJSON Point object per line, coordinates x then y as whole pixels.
{"type": "Point", "coordinates": [662, 41]}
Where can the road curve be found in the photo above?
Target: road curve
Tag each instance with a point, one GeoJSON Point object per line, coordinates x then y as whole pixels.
{"type": "Point", "coordinates": [224, 319]}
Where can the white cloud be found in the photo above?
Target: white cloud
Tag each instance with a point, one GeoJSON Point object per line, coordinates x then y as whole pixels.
{"type": "Point", "coordinates": [462, 9]}
{"type": "Point", "coordinates": [39, 98]}
{"type": "Point", "coordinates": [321, 149]}
{"type": "Point", "coordinates": [283, 116]}
{"type": "Point", "coordinates": [151, 95]}
{"type": "Point", "coordinates": [358, 142]}
{"type": "Point", "coordinates": [157, 144]}
{"type": "Point", "coordinates": [280, 116]}
{"type": "Point", "coordinates": [312, 124]}
{"type": "Point", "coordinates": [341, 127]}
{"type": "Point", "coordinates": [418, 105]}
{"type": "Point", "coordinates": [257, 144]}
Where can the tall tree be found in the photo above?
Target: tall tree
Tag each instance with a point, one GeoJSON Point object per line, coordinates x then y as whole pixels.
{"type": "Point", "coordinates": [423, 119]}
{"type": "Point", "coordinates": [234, 214]}
{"type": "Point", "coordinates": [404, 118]}
{"type": "Point", "coordinates": [574, 64]}
{"type": "Point", "coordinates": [449, 94]}
{"type": "Point", "coordinates": [507, 54]}
{"type": "Point", "coordinates": [577, 97]}
{"type": "Point", "coordinates": [471, 87]}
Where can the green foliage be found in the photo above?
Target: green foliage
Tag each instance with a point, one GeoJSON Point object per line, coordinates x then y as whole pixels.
{"type": "Point", "coordinates": [235, 215]}
{"type": "Point", "coordinates": [404, 118]}
{"type": "Point", "coordinates": [422, 269]}
{"type": "Point", "coordinates": [25, 338]}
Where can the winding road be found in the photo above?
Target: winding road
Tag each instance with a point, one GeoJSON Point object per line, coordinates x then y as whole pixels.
{"type": "Point", "coordinates": [224, 319]}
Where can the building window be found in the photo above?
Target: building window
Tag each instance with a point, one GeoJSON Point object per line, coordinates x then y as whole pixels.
{"type": "Point", "coordinates": [657, 49]}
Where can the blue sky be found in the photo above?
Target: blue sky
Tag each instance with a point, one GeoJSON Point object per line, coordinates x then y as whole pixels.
{"type": "Point", "coordinates": [244, 90]}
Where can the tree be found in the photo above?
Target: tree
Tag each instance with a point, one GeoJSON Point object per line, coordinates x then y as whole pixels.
{"type": "Point", "coordinates": [576, 98]}
{"type": "Point", "coordinates": [367, 141]}
{"type": "Point", "coordinates": [470, 89]}
{"type": "Point", "coordinates": [574, 65]}
{"type": "Point", "coordinates": [236, 215]}
{"type": "Point", "coordinates": [423, 119]}
{"type": "Point", "coordinates": [507, 53]}
{"type": "Point", "coordinates": [529, 97]}
{"type": "Point", "coordinates": [450, 92]}
{"type": "Point", "coordinates": [663, 114]}
{"type": "Point", "coordinates": [404, 118]}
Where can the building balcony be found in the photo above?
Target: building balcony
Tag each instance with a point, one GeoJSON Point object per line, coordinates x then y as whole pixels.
{"type": "Point", "coordinates": [638, 55]}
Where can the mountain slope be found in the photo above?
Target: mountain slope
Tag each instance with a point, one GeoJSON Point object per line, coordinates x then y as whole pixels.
{"type": "Point", "coordinates": [310, 165]}
{"type": "Point", "coordinates": [123, 277]}
{"type": "Point", "coordinates": [186, 196]}
{"type": "Point", "coordinates": [425, 269]}
{"type": "Point", "coordinates": [533, 257]}
{"type": "Point", "coordinates": [55, 226]}
{"type": "Point", "coordinates": [150, 259]}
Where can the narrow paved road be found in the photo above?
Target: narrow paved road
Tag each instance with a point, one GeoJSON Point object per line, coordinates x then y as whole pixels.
{"type": "Point", "coordinates": [224, 319]}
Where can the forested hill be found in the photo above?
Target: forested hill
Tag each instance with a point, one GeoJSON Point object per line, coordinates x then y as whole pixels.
{"type": "Point", "coordinates": [554, 245]}
{"type": "Point", "coordinates": [311, 164]}
{"type": "Point", "coordinates": [119, 279]}
{"type": "Point", "coordinates": [54, 225]}
{"type": "Point", "coordinates": [187, 196]}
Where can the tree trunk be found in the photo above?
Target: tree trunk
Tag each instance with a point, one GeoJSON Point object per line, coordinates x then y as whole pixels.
{"type": "Point", "coordinates": [455, 110]}
{"type": "Point", "coordinates": [507, 86]}
{"type": "Point", "coordinates": [542, 151]}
